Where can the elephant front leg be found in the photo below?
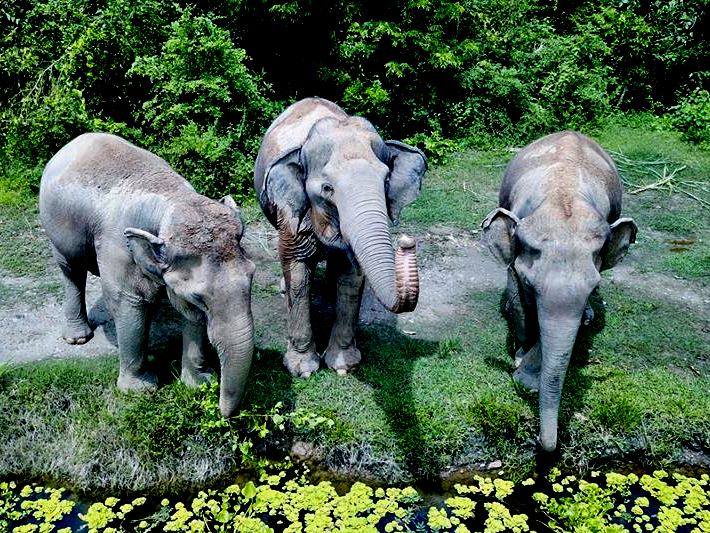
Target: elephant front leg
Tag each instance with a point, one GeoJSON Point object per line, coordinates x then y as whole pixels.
{"type": "Point", "coordinates": [525, 329]}
{"type": "Point", "coordinates": [342, 355]}
{"type": "Point", "coordinates": [523, 319]}
{"type": "Point", "coordinates": [528, 372]}
{"type": "Point", "coordinates": [194, 349]}
{"type": "Point", "coordinates": [301, 358]}
{"type": "Point", "coordinates": [132, 327]}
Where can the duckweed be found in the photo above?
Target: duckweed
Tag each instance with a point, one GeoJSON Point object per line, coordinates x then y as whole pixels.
{"type": "Point", "coordinates": [288, 502]}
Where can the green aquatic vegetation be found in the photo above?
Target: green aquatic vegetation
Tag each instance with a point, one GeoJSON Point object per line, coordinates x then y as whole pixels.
{"type": "Point", "coordinates": [625, 502]}
{"type": "Point", "coordinates": [288, 501]}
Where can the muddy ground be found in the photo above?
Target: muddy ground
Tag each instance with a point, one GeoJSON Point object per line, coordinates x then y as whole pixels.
{"type": "Point", "coordinates": [453, 265]}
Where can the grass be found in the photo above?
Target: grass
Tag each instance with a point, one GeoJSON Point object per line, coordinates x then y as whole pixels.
{"type": "Point", "coordinates": [416, 408]}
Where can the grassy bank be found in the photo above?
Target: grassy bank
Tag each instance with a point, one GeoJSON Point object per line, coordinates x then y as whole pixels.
{"type": "Point", "coordinates": [420, 406]}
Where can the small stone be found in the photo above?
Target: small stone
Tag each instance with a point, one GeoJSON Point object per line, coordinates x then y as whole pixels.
{"type": "Point", "coordinates": [301, 450]}
{"type": "Point", "coordinates": [495, 464]}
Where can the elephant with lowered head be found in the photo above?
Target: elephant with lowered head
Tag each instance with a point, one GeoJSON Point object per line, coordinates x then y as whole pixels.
{"type": "Point", "coordinates": [556, 228]}
{"type": "Point", "coordinates": [330, 185]}
{"type": "Point", "coordinates": [120, 212]}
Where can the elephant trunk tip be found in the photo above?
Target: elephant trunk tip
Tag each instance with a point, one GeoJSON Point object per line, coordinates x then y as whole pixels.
{"type": "Point", "coordinates": [406, 242]}
{"type": "Point", "coordinates": [548, 444]}
{"type": "Point", "coordinates": [228, 408]}
{"type": "Point", "coordinates": [406, 275]}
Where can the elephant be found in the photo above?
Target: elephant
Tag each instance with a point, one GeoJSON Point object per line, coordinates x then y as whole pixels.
{"type": "Point", "coordinates": [556, 228]}
{"type": "Point", "coordinates": [122, 213]}
{"type": "Point", "coordinates": [330, 185]}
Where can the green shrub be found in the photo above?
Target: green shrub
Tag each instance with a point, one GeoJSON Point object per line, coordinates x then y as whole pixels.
{"type": "Point", "coordinates": [194, 84]}
{"type": "Point", "coordinates": [692, 117]}
{"type": "Point", "coordinates": [208, 107]}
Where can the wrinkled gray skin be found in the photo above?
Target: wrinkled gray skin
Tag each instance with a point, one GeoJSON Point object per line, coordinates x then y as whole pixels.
{"type": "Point", "coordinates": [556, 228]}
{"type": "Point", "coordinates": [330, 185]}
{"type": "Point", "coordinates": [118, 211]}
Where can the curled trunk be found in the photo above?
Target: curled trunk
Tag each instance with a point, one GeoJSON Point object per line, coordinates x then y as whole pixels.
{"type": "Point", "coordinates": [392, 274]}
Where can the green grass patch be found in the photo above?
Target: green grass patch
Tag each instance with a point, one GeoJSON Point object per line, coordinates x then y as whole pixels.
{"type": "Point", "coordinates": [694, 263]}
{"type": "Point", "coordinates": [461, 193]}
{"type": "Point", "coordinates": [415, 407]}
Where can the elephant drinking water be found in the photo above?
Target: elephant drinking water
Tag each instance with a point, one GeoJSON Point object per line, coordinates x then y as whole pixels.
{"type": "Point", "coordinates": [556, 228]}
{"type": "Point", "coordinates": [120, 212]}
{"type": "Point", "coordinates": [330, 184]}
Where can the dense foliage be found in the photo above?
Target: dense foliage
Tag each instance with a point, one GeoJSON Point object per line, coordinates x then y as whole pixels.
{"type": "Point", "coordinates": [198, 84]}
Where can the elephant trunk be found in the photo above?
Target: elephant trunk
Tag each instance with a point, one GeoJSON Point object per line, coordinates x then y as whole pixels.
{"type": "Point", "coordinates": [235, 346]}
{"type": "Point", "coordinates": [557, 337]}
{"type": "Point", "coordinates": [364, 224]}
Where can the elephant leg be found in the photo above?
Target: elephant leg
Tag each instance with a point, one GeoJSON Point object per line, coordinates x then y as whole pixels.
{"type": "Point", "coordinates": [528, 372]}
{"type": "Point", "coordinates": [76, 328]}
{"type": "Point", "coordinates": [587, 315]}
{"type": "Point", "coordinates": [301, 358]}
{"type": "Point", "coordinates": [522, 321]}
{"type": "Point", "coordinates": [194, 349]}
{"type": "Point", "coordinates": [342, 355]}
{"type": "Point", "coordinates": [132, 326]}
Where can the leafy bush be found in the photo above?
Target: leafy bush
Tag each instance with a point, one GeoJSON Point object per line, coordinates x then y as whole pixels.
{"type": "Point", "coordinates": [692, 117]}
{"type": "Point", "coordinates": [207, 108]}
{"type": "Point", "coordinates": [199, 84]}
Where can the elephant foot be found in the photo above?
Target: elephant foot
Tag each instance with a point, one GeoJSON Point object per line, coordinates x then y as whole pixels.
{"type": "Point", "coordinates": [79, 333]}
{"type": "Point", "coordinates": [531, 381]}
{"type": "Point", "coordinates": [528, 365]}
{"type": "Point", "coordinates": [145, 382]}
{"type": "Point", "coordinates": [301, 364]}
{"type": "Point", "coordinates": [195, 378]}
{"type": "Point", "coordinates": [342, 360]}
{"type": "Point", "coordinates": [588, 315]}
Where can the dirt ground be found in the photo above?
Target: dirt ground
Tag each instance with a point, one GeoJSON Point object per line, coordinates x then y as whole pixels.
{"type": "Point", "coordinates": [453, 264]}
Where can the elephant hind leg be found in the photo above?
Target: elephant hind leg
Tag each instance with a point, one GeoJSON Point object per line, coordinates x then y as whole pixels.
{"type": "Point", "coordinates": [587, 315]}
{"type": "Point", "coordinates": [76, 327]}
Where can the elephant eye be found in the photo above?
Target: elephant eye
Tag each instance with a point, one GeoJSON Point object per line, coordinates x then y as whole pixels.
{"type": "Point", "coordinates": [327, 188]}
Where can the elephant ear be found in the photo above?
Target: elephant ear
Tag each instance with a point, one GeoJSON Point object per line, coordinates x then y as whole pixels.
{"type": "Point", "coordinates": [408, 165]}
{"type": "Point", "coordinates": [232, 205]}
{"type": "Point", "coordinates": [284, 188]}
{"type": "Point", "coordinates": [498, 231]}
{"type": "Point", "coordinates": [148, 252]}
{"type": "Point", "coordinates": [623, 234]}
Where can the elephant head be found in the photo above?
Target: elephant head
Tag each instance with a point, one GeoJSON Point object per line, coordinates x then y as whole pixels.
{"type": "Point", "coordinates": [346, 183]}
{"type": "Point", "coordinates": [556, 263]}
{"type": "Point", "coordinates": [197, 256]}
